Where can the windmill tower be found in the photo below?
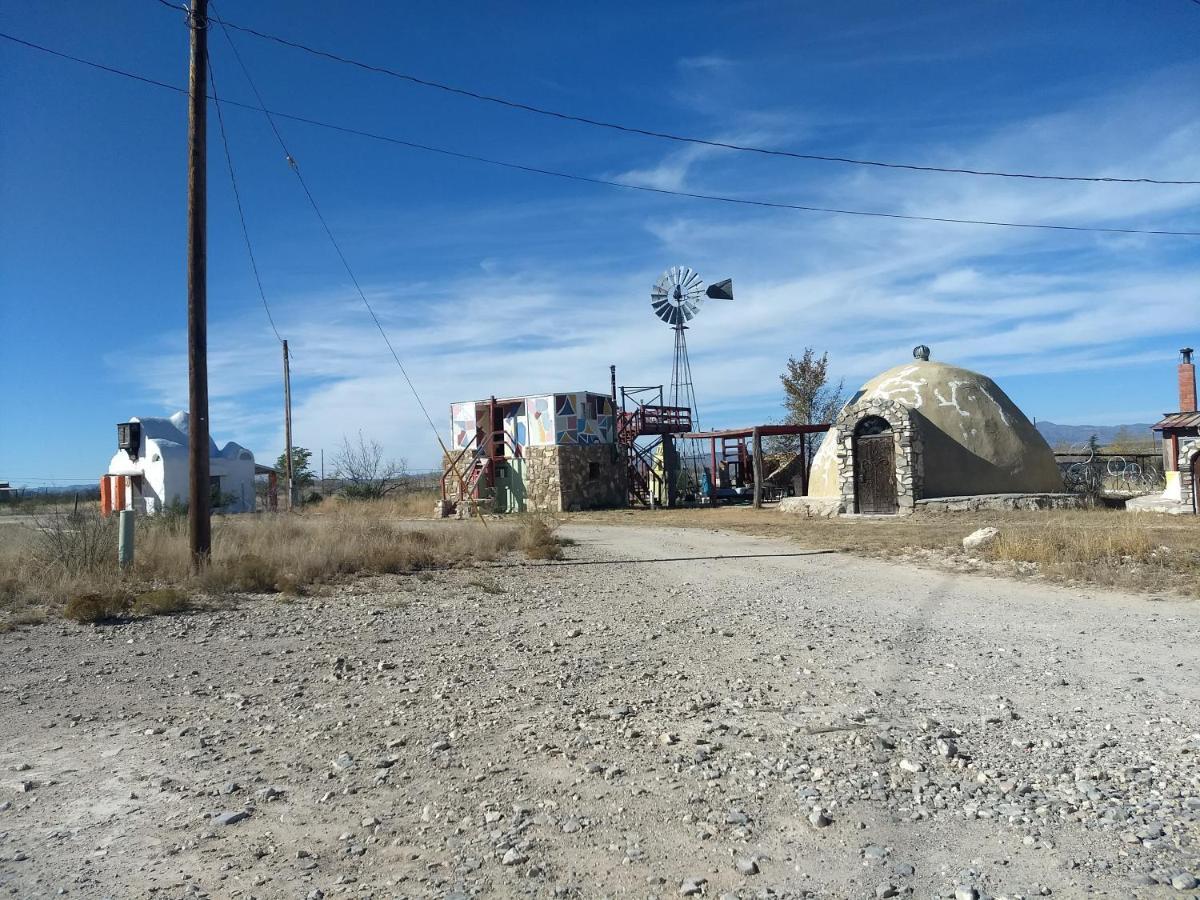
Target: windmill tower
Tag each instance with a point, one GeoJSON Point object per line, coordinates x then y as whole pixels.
{"type": "Point", "coordinates": [676, 299]}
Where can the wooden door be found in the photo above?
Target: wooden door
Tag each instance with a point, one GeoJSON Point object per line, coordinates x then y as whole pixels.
{"type": "Point", "coordinates": [875, 474]}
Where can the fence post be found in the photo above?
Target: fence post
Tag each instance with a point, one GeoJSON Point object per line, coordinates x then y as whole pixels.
{"type": "Point", "coordinates": [125, 539]}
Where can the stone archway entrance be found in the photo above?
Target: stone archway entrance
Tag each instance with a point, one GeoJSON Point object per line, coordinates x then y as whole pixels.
{"type": "Point", "coordinates": [875, 490]}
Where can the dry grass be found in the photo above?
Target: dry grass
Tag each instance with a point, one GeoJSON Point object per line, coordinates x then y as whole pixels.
{"type": "Point", "coordinates": [401, 506]}
{"type": "Point", "coordinates": [1132, 551]}
{"type": "Point", "coordinates": [68, 564]}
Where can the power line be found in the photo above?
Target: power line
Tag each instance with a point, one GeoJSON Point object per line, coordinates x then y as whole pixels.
{"type": "Point", "coordinates": [536, 170]}
{"type": "Point", "coordinates": [237, 196]}
{"type": "Point", "coordinates": [663, 135]}
{"type": "Point", "coordinates": [329, 232]}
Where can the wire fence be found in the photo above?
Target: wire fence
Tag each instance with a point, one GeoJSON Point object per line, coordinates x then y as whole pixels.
{"type": "Point", "coordinates": [1095, 473]}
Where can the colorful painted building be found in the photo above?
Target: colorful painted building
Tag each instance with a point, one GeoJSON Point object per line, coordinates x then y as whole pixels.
{"type": "Point", "coordinates": [544, 452]}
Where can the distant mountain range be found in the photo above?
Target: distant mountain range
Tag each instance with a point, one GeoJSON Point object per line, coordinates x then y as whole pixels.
{"type": "Point", "coordinates": [1079, 434]}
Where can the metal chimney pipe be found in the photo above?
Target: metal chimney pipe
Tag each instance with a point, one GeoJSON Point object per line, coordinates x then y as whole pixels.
{"type": "Point", "coordinates": [1187, 381]}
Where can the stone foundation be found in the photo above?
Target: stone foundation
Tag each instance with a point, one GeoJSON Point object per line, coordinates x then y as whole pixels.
{"type": "Point", "coordinates": [996, 502]}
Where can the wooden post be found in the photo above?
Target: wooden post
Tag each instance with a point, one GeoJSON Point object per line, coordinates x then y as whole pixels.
{"type": "Point", "coordinates": [289, 475]}
{"type": "Point", "coordinates": [757, 447]}
{"type": "Point", "coordinates": [804, 464]}
{"type": "Point", "coordinates": [199, 523]}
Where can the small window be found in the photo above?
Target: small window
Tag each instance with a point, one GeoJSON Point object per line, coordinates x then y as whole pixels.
{"type": "Point", "coordinates": [593, 470]}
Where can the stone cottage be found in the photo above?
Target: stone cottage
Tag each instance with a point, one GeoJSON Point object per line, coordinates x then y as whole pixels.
{"type": "Point", "coordinates": [544, 452]}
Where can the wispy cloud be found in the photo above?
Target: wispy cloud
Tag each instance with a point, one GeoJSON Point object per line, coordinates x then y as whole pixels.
{"type": "Point", "coordinates": [1010, 303]}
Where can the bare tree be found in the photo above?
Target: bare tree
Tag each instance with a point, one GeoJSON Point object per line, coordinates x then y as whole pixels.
{"type": "Point", "coordinates": [808, 399]}
{"type": "Point", "coordinates": [364, 472]}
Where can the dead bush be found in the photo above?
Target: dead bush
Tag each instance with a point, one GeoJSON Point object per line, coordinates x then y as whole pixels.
{"type": "Point", "coordinates": [161, 602]}
{"type": "Point", "coordinates": [76, 543]}
{"type": "Point", "coordinates": [538, 540]}
{"type": "Point", "coordinates": [253, 574]}
{"type": "Point", "coordinates": [97, 607]}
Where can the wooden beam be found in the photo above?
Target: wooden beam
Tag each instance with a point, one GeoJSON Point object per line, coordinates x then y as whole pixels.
{"type": "Point", "coordinates": [757, 449]}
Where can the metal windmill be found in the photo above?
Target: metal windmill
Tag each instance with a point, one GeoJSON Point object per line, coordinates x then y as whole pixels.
{"type": "Point", "coordinates": [676, 299]}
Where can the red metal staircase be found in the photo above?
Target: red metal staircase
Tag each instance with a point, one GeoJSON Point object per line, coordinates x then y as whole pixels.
{"type": "Point", "coordinates": [647, 420]}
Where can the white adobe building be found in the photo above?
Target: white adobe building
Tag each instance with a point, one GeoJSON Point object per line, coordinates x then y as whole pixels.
{"type": "Point", "coordinates": [150, 469]}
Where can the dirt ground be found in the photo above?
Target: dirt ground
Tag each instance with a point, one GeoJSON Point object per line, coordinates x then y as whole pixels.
{"type": "Point", "coordinates": [665, 712]}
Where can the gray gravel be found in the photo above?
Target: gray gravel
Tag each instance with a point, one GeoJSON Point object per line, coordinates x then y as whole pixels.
{"type": "Point", "coordinates": [769, 724]}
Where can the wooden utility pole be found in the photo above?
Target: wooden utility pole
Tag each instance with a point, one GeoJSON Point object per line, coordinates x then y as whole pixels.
{"type": "Point", "coordinates": [287, 429]}
{"type": "Point", "coordinates": [756, 444]}
{"type": "Point", "coordinates": [199, 503]}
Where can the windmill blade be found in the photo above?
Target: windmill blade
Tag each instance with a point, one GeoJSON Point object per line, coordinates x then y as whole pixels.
{"type": "Point", "coordinates": [721, 290]}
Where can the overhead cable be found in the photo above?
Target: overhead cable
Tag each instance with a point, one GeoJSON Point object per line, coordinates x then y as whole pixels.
{"type": "Point", "coordinates": [537, 170]}
{"type": "Point", "coordinates": [663, 135]}
{"type": "Point", "coordinates": [295, 167]}
{"type": "Point", "coordinates": [237, 196]}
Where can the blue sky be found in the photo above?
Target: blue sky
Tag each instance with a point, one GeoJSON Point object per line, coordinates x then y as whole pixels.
{"type": "Point", "coordinates": [494, 281]}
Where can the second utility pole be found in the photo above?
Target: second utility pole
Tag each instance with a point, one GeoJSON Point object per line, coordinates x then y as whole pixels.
{"type": "Point", "coordinates": [199, 499]}
{"type": "Point", "coordinates": [287, 429]}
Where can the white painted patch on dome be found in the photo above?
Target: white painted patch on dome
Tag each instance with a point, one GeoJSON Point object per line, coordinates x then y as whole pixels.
{"type": "Point", "coordinates": [895, 387]}
{"type": "Point", "coordinates": [953, 399]}
{"type": "Point", "coordinates": [995, 403]}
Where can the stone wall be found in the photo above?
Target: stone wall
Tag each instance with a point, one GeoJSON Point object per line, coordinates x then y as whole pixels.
{"type": "Point", "coordinates": [463, 461]}
{"type": "Point", "coordinates": [543, 482]}
{"type": "Point", "coordinates": [563, 478]}
{"type": "Point", "coordinates": [593, 476]}
{"type": "Point", "coordinates": [1188, 450]}
{"type": "Point", "coordinates": [908, 446]}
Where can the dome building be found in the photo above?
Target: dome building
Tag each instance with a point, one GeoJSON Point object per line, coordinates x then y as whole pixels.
{"type": "Point", "coordinates": [924, 431]}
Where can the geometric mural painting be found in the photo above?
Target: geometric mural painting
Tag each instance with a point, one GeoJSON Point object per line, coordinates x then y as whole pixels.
{"type": "Point", "coordinates": [576, 418]}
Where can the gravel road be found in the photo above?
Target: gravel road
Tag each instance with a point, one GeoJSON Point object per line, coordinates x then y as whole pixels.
{"type": "Point", "coordinates": [665, 712]}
